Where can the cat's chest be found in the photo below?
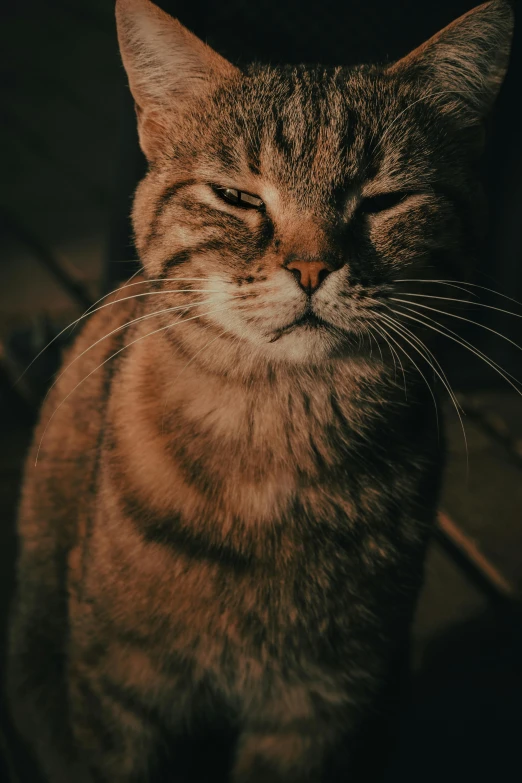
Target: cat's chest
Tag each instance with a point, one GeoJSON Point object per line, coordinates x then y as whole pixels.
{"type": "Point", "coordinates": [225, 455]}
{"type": "Point", "coordinates": [264, 436]}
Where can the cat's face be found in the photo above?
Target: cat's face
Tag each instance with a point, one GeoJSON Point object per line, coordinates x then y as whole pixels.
{"type": "Point", "coordinates": [289, 201]}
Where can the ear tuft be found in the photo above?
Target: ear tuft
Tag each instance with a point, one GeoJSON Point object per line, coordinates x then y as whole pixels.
{"type": "Point", "coordinates": [464, 65]}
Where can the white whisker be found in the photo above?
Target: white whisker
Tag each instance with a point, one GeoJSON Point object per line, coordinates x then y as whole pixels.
{"type": "Point", "coordinates": [401, 348]}
{"type": "Point", "coordinates": [460, 341]}
{"type": "Point", "coordinates": [126, 325]}
{"type": "Point", "coordinates": [460, 318]}
{"type": "Point", "coordinates": [396, 358]}
{"type": "Point", "coordinates": [133, 342]}
{"type": "Point", "coordinates": [446, 282]}
{"type": "Point", "coordinates": [430, 358]}
{"type": "Point", "coordinates": [463, 301]}
{"type": "Point", "coordinates": [93, 308]}
{"type": "Point", "coordinates": [442, 377]}
{"type": "Point", "coordinates": [373, 338]}
{"type": "Point", "coordinates": [468, 285]}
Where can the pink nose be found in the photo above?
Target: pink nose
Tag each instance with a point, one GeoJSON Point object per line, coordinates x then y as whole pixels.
{"type": "Point", "coordinates": [309, 274]}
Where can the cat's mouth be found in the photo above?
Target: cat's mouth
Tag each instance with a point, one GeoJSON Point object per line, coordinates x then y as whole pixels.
{"type": "Point", "coordinates": [308, 319]}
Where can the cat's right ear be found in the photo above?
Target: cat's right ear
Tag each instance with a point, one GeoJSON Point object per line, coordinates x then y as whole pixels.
{"type": "Point", "coordinates": [167, 67]}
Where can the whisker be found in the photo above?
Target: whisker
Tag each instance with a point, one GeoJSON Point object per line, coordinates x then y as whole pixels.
{"type": "Point", "coordinates": [401, 348]}
{"type": "Point", "coordinates": [463, 301]}
{"type": "Point", "coordinates": [124, 326]}
{"type": "Point", "coordinates": [431, 361]}
{"type": "Point", "coordinates": [138, 271]}
{"type": "Point", "coordinates": [470, 285]}
{"type": "Point", "coordinates": [445, 382]}
{"type": "Point", "coordinates": [460, 318]}
{"type": "Point", "coordinates": [127, 284]}
{"type": "Point", "coordinates": [370, 329]}
{"type": "Point", "coordinates": [145, 281]}
{"type": "Point", "coordinates": [461, 341]}
{"type": "Point", "coordinates": [93, 309]}
{"type": "Point", "coordinates": [396, 358]}
{"type": "Point", "coordinates": [446, 282]}
{"type": "Point", "coordinates": [373, 339]}
{"type": "Point", "coordinates": [137, 340]}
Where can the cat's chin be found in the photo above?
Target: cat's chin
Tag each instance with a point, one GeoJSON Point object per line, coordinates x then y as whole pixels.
{"type": "Point", "coordinates": [306, 344]}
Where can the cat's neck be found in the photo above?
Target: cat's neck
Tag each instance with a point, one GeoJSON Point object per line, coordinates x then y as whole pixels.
{"type": "Point", "coordinates": [183, 426]}
{"type": "Point", "coordinates": [213, 379]}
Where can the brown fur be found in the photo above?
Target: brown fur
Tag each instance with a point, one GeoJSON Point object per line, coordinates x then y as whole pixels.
{"type": "Point", "coordinates": [223, 537]}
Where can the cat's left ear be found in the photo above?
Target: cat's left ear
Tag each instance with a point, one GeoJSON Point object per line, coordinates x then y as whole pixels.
{"type": "Point", "coordinates": [464, 65]}
{"type": "Point", "coordinates": [167, 66]}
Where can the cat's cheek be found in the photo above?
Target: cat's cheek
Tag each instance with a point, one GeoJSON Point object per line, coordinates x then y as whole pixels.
{"type": "Point", "coordinates": [399, 241]}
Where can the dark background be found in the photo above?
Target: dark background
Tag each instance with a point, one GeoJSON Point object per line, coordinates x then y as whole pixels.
{"type": "Point", "coordinates": [69, 162]}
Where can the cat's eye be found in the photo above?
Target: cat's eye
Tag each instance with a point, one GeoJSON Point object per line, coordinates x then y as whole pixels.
{"type": "Point", "coordinates": [382, 202]}
{"type": "Point", "coordinates": [239, 198]}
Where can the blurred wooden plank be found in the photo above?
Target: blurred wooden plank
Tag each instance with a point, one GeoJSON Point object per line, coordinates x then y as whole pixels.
{"type": "Point", "coordinates": [465, 551]}
{"type": "Point", "coordinates": [485, 502]}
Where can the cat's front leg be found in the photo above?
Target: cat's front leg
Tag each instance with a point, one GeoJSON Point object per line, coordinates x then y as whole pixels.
{"type": "Point", "coordinates": [335, 734]}
{"type": "Point", "coordinates": [298, 752]}
{"type": "Point", "coordinates": [115, 736]}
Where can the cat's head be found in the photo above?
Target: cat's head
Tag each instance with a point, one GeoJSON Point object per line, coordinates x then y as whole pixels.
{"type": "Point", "coordinates": [288, 200]}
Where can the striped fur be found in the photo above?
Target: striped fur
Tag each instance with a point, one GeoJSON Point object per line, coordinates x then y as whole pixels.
{"type": "Point", "coordinates": [222, 541]}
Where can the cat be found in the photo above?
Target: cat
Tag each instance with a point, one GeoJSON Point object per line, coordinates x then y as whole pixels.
{"type": "Point", "coordinates": [230, 492]}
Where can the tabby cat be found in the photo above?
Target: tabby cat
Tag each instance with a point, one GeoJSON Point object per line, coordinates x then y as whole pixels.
{"type": "Point", "coordinates": [227, 505]}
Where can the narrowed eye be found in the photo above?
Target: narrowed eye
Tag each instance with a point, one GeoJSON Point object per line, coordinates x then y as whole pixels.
{"type": "Point", "coordinates": [382, 202]}
{"type": "Point", "coordinates": [239, 198]}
